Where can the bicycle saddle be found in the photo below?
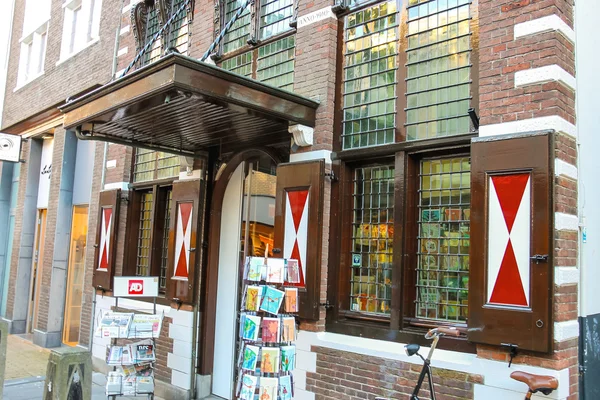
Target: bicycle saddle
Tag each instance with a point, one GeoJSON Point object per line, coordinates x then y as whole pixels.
{"type": "Point", "coordinates": [541, 383]}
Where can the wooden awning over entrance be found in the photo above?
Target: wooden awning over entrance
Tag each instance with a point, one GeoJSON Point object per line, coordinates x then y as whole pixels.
{"type": "Point", "coordinates": [183, 106]}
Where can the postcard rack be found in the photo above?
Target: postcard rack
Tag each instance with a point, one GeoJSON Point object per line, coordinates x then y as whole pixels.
{"type": "Point", "coordinates": [132, 360]}
{"type": "Point", "coordinates": [267, 321]}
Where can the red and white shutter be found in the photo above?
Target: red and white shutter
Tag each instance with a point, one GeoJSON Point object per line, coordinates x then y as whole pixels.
{"type": "Point", "coordinates": [183, 236]}
{"type": "Point", "coordinates": [298, 227]}
{"type": "Point", "coordinates": [106, 239]}
{"type": "Point", "coordinates": [511, 276]}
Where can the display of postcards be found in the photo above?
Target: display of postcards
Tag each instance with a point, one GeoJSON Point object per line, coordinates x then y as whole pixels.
{"type": "Point", "coordinates": [268, 388]}
{"type": "Point", "coordinates": [275, 270]}
{"type": "Point", "coordinates": [292, 270]}
{"type": "Point", "coordinates": [250, 357]}
{"type": "Point", "coordinates": [451, 263]}
{"type": "Point", "coordinates": [128, 370]}
{"type": "Point", "coordinates": [115, 324]}
{"type": "Point", "coordinates": [291, 300]}
{"type": "Point", "coordinates": [143, 351]}
{"type": "Point", "coordinates": [254, 268]}
{"type": "Point", "coordinates": [452, 214]}
{"type": "Point", "coordinates": [450, 280]}
{"type": "Point", "coordinates": [430, 230]}
{"type": "Point", "coordinates": [253, 296]}
{"type": "Point", "coordinates": [288, 329]}
{"type": "Point", "coordinates": [428, 261]}
{"type": "Point", "coordinates": [430, 215]}
{"type": "Point", "coordinates": [145, 326]}
{"type": "Point", "coordinates": [269, 360]}
{"type": "Point", "coordinates": [250, 326]}
{"type": "Point", "coordinates": [271, 330]}
{"type": "Point", "coordinates": [288, 358]}
{"type": "Point", "coordinates": [119, 355]}
{"type": "Point", "coordinates": [285, 387]}
{"type": "Point", "coordinates": [143, 369]}
{"type": "Point", "coordinates": [248, 387]}
{"type": "Point", "coordinates": [272, 299]}
{"type": "Point", "coordinates": [429, 246]}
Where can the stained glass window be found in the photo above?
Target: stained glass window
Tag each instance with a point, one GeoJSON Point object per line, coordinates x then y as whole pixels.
{"type": "Point", "coordinates": [372, 240]}
{"type": "Point", "coordinates": [443, 241]}
{"type": "Point", "coordinates": [370, 64]}
{"type": "Point", "coordinates": [438, 68]}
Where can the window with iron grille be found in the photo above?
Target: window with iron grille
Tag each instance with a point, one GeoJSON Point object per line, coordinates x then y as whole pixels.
{"type": "Point", "coordinates": [443, 241]}
{"type": "Point", "coordinates": [372, 239]}
{"type": "Point", "coordinates": [162, 284]}
{"type": "Point", "coordinates": [423, 93]}
{"type": "Point", "coordinates": [150, 165]}
{"type": "Point", "coordinates": [144, 244]}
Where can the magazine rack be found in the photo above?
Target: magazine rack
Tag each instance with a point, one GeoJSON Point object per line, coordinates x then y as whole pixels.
{"type": "Point", "coordinates": [134, 358]}
{"type": "Point", "coordinates": [269, 306]}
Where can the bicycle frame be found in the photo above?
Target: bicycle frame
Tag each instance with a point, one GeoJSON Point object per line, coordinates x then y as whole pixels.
{"type": "Point", "coordinates": [426, 370]}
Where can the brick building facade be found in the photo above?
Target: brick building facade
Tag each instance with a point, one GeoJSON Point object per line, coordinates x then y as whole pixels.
{"type": "Point", "coordinates": [389, 254]}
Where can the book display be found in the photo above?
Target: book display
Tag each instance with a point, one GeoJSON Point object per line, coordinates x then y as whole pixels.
{"type": "Point", "coordinates": [267, 355]}
{"type": "Point", "coordinates": [133, 361]}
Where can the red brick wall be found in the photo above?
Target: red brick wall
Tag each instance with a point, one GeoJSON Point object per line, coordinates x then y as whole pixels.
{"type": "Point", "coordinates": [345, 375]}
{"type": "Point", "coordinates": [89, 67]}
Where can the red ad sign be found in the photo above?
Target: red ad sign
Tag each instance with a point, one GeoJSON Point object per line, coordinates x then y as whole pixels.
{"type": "Point", "coordinates": [135, 286]}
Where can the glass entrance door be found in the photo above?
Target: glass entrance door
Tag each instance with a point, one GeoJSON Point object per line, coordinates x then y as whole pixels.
{"type": "Point", "coordinates": [248, 214]}
{"type": "Point", "coordinates": [76, 269]}
{"type": "Point", "coordinates": [37, 269]}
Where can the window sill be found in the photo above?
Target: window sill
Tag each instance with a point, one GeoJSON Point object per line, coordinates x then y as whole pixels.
{"type": "Point", "coordinates": [22, 85]}
{"type": "Point", "coordinates": [73, 54]}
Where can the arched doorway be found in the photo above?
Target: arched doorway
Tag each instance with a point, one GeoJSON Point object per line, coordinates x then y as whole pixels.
{"type": "Point", "coordinates": [242, 224]}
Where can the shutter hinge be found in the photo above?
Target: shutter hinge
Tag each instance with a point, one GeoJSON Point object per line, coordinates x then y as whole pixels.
{"type": "Point", "coordinates": [331, 175]}
{"type": "Point", "coordinates": [538, 258]}
{"type": "Point", "coordinates": [513, 348]}
{"type": "Point", "coordinates": [582, 370]}
{"type": "Point", "coordinates": [327, 305]}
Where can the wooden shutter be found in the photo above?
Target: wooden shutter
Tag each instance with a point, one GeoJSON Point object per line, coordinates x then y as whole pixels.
{"type": "Point", "coordinates": [106, 239]}
{"type": "Point", "coordinates": [299, 224]}
{"type": "Point", "coordinates": [184, 240]}
{"type": "Point", "coordinates": [510, 294]}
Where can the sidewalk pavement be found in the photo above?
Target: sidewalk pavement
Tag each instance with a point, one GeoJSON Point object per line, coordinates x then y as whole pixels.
{"type": "Point", "coordinates": [26, 372]}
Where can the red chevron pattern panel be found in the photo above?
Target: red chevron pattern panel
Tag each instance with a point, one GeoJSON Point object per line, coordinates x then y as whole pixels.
{"type": "Point", "coordinates": [182, 240]}
{"type": "Point", "coordinates": [105, 238]}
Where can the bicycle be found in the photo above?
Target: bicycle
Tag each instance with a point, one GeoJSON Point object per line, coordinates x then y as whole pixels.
{"type": "Point", "coordinates": [535, 383]}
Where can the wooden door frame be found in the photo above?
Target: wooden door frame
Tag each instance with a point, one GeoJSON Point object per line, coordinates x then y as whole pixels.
{"type": "Point", "coordinates": [32, 307]}
{"type": "Point", "coordinates": [209, 289]}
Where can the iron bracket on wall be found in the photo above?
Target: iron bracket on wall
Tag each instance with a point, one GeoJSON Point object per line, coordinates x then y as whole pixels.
{"type": "Point", "coordinates": [513, 349]}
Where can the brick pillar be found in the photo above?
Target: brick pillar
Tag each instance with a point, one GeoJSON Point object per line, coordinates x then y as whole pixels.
{"type": "Point", "coordinates": [527, 83]}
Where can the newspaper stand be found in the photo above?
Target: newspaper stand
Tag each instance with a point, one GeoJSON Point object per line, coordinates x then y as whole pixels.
{"type": "Point", "coordinates": [141, 380]}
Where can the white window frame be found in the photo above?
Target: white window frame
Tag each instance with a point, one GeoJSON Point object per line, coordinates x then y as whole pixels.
{"type": "Point", "coordinates": [82, 33]}
{"type": "Point", "coordinates": [33, 55]}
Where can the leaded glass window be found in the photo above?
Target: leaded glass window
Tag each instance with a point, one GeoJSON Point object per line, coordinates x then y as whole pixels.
{"type": "Point", "coordinates": [443, 241]}
{"type": "Point", "coordinates": [372, 239]}
{"type": "Point", "coordinates": [438, 68]}
{"type": "Point", "coordinates": [179, 31]}
{"type": "Point", "coordinates": [275, 16]}
{"type": "Point", "coordinates": [370, 65]}
{"type": "Point", "coordinates": [238, 34]}
{"type": "Point", "coordinates": [150, 165]}
{"type": "Point", "coordinates": [241, 64]}
{"type": "Point", "coordinates": [152, 27]}
{"type": "Point", "coordinates": [276, 63]}
{"type": "Point", "coordinates": [144, 247]}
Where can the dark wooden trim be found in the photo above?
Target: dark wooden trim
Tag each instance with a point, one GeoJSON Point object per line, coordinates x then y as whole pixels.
{"type": "Point", "coordinates": [494, 324]}
{"type": "Point", "coordinates": [376, 152]}
{"type": "Point", "coordinates": [410, 237]}
{"type": "Point", "coordinates": [381, 331]}
{"type": "Point", "coordinates": [399, 232]}
{"type": "Point", "coordinates": [150, 184]}
{"type": "Point", "coordinates": [107, 199]}
{"type": "Point", "coordinates": [207, 336]}
{"type": "Point", "coordinates": [336, 261]}
{"type": "Point", "coordinates": [132, 232]}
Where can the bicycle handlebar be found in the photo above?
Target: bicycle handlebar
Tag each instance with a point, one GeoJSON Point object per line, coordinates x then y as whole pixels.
{"type": "Point", "coordinates": [442, 330]}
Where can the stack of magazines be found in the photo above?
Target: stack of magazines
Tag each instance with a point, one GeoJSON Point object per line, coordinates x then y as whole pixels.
{"type": "Point", "coordinates": [129, 325]}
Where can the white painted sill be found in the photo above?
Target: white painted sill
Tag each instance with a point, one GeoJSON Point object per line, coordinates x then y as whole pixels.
{"type": "Point", "coordinates": [22, 85]}
{"type": "Point", "coordinates": [73, 54]}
